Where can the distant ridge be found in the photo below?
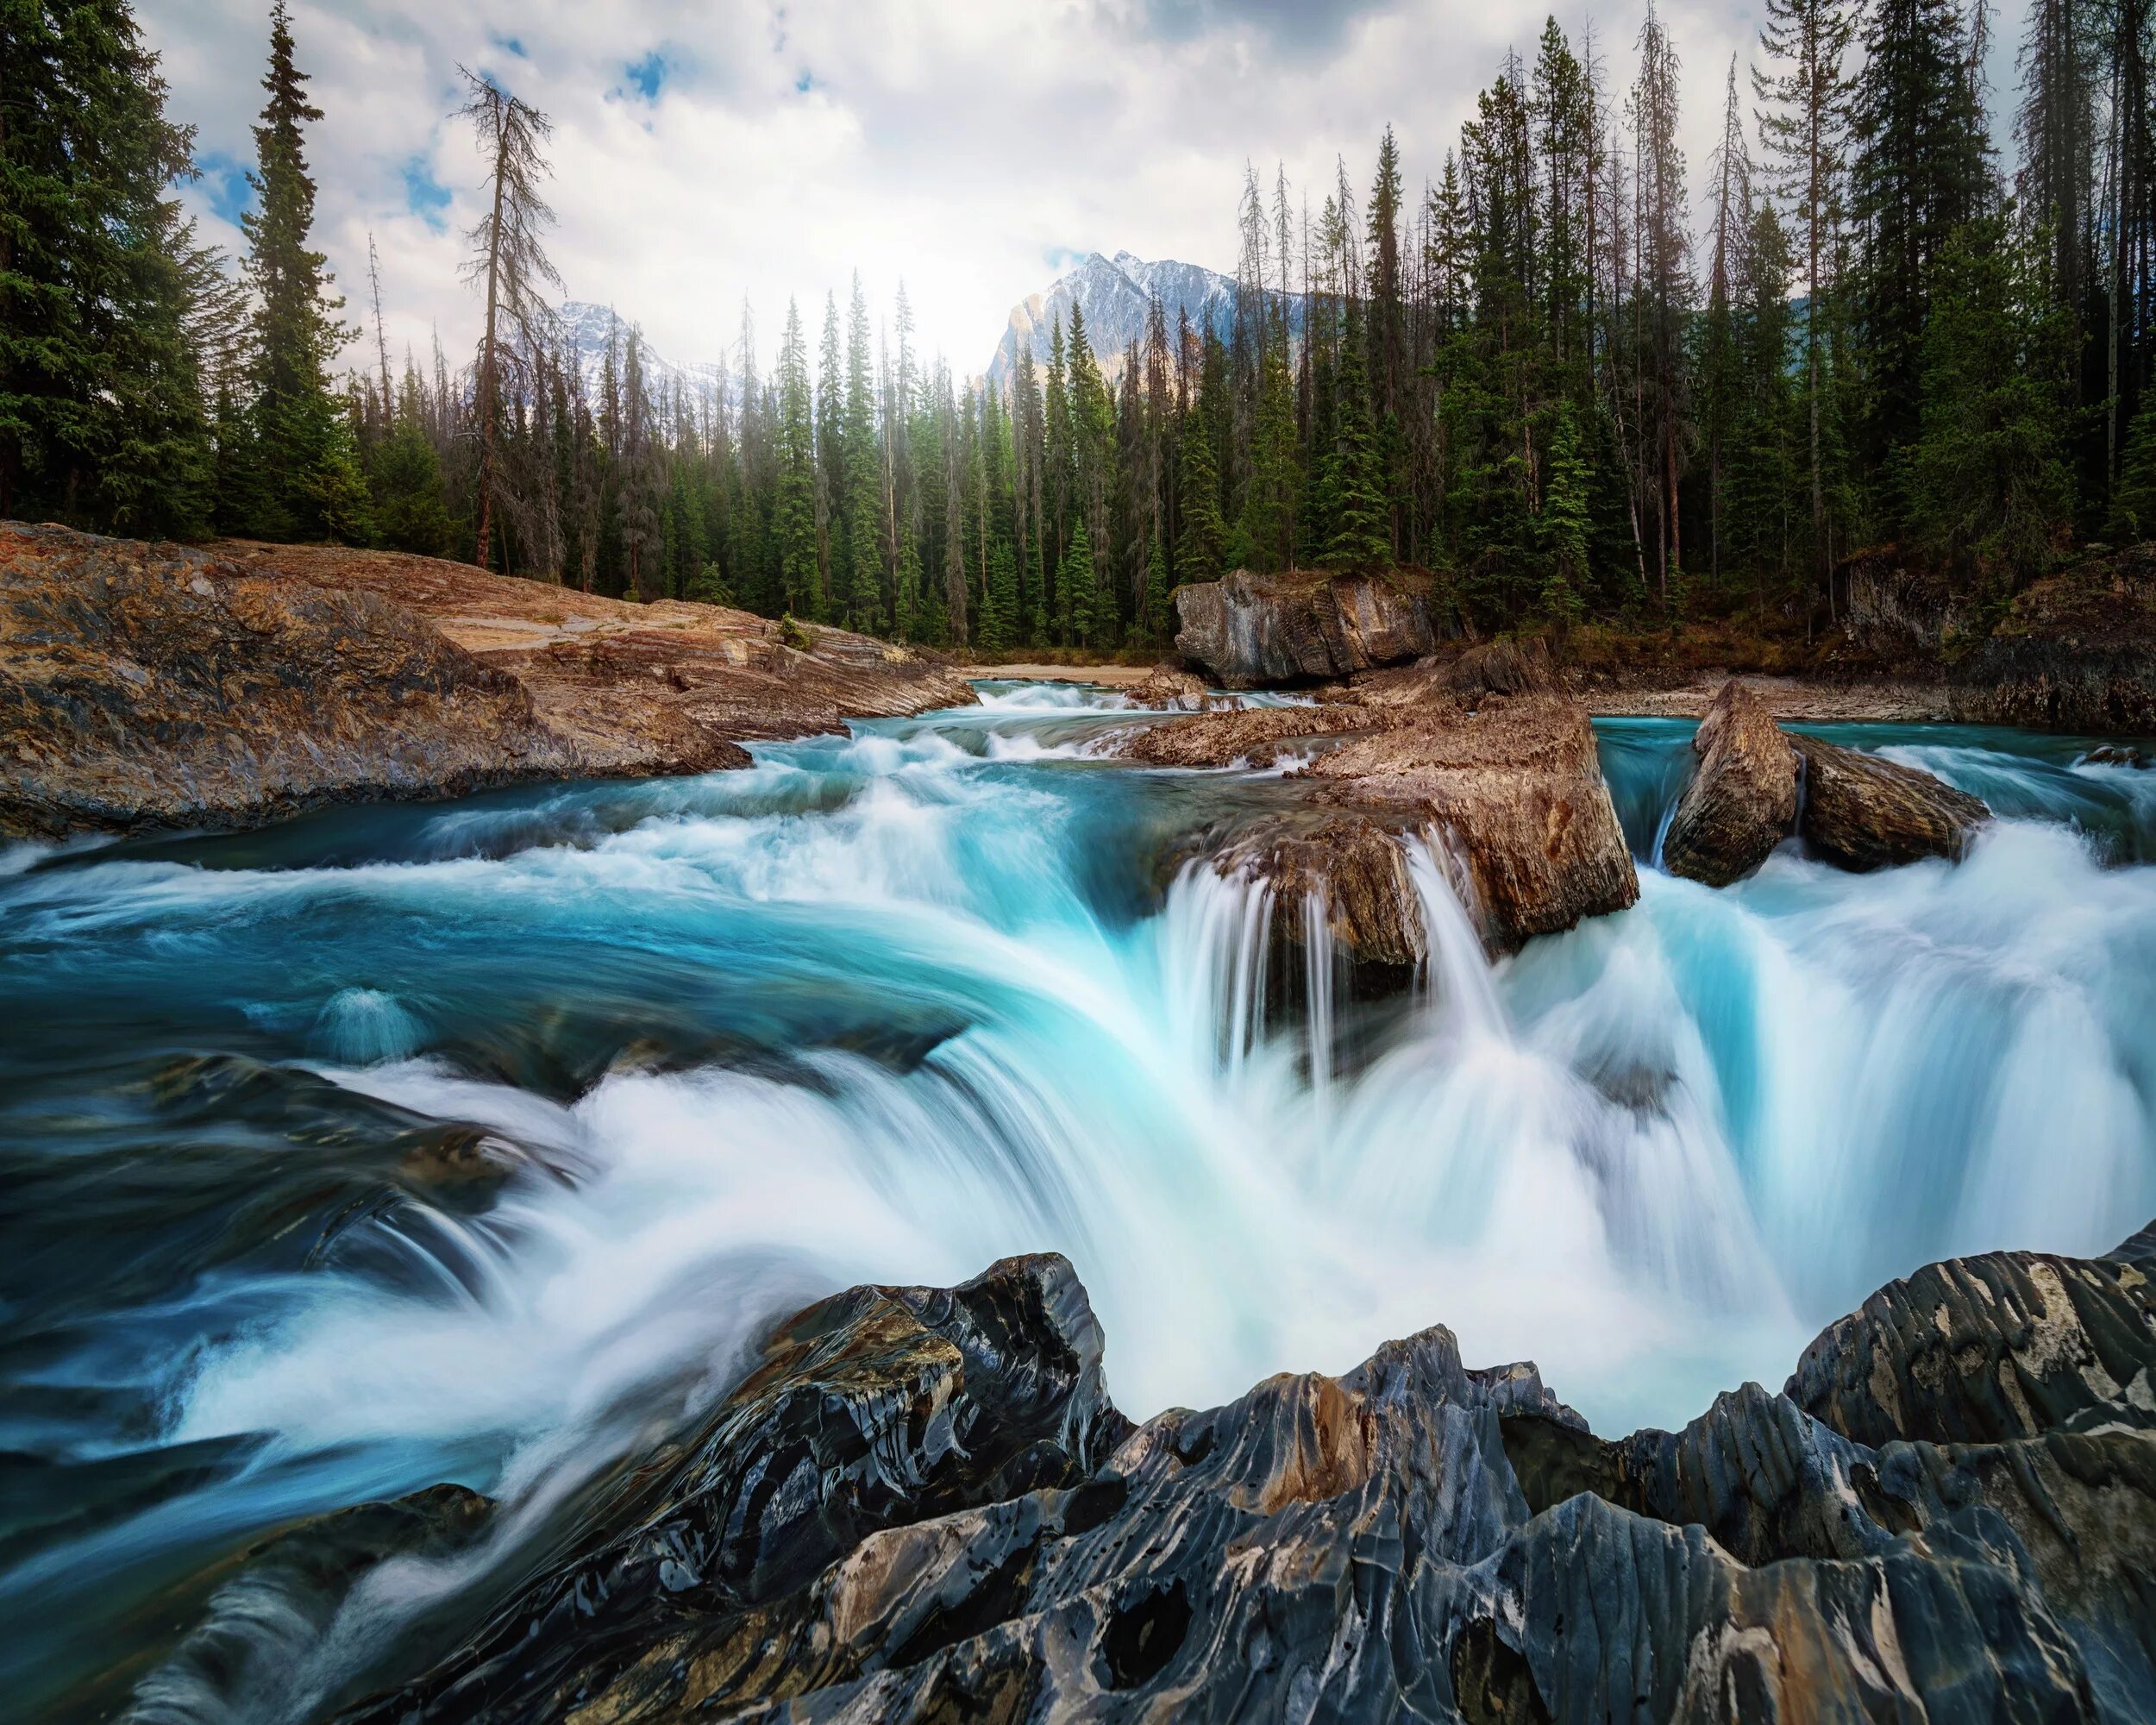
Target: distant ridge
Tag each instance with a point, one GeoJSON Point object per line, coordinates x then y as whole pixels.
{"type": "Point", "coordinates": [1116, 294]}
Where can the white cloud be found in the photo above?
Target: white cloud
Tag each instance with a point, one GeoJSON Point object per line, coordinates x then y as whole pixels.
{"type": "Point", "coordinates": [964, 146]}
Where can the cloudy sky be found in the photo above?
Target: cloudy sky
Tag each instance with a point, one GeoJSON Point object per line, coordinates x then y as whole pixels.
{"type": "Point", "coordinates": [972, 148]}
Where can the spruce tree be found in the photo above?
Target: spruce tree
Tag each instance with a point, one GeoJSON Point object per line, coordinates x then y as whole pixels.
{"type": "Point", "coordinates": [793, 512]}
{"type": "Point", "coordinates": [310, 485]}
{"type": "Point", "coordinates": [1565, 525]}
{"type": "Point", "coordinates": [1156, 618]}
{"type": "Point", "coordinates": [861, 577]}
{"type": "Point", "coordinates": [1988, 480]}
{"type": "Point", "coordinates": [405, 479]}
{"type": "Point", "coordinates": [101, 408]}
{"type": "Point", "coordinates": [1356, 495]}
{"type": "Point", "coordinates": [1078, 589]}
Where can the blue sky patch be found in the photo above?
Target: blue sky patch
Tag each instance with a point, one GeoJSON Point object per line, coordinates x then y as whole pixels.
{"type": "Point", "coordinates": [648, 75]}
{"type": "Point", "coordinates": [511, 45]}
{"type": "Point", "coordinates": [426, 197]}
{"type": "Point", "coordinates": [803, 83]}
{"type": "Point", "coordinates": [224, 179]}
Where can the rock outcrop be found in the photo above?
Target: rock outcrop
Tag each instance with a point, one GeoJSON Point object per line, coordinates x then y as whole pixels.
{"type": "Point", "coordinates": [1742, 800]}
{"type": "Point", "coordinates": [1302, 626]}
{"type": "Point", "coordinates": [1346, 871]}
{"type": "Point", "coordinates": [1514, 789]}
{"type": "Point", "coordinates": [149, 686]}
{"type": "Point", "coordinates": [921, 1506]}
{"type": "Point", "coordinates": [2076, 651]}
{"type": "Point", "coordinates": [1169, 688]}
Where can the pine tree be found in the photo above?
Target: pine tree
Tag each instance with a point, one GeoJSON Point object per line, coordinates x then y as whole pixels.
{"type": "Point", "coordinates": [996, 630]}
{"type": "Point", "coordinates": [1804, 126]}
{"type": "Point", "coordinates": [793, 514]}
{"type": "Point", "coordinates": [1565, 525]}
{"type": "Point", "coordinates": [1356, 492]}
{"type": "Point", "coordinates": [861, 583]}
{"type": "Point", "coordinates": [405, 481]}
{"type": "Point", "coordinates": [1155, 617]}
{"type": "Point", "coordinates": [310, 485]}
{"type": "Point", "coordinates": [101, 383]}
{"type": "Point", "coordinates": [1080, 590]}
{"type": "Point", "coordinates": [1989, 481]}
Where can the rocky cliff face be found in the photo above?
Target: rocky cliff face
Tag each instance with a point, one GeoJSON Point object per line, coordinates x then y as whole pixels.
{"type": "Point", "coordinates": [150, 685]}
{"type": "Point", "coordinates": [921, 1505]}
{"type": "Point", "coordinates": [1250, 630]}
{"type": "Point", "coordinates": [2077, 651]}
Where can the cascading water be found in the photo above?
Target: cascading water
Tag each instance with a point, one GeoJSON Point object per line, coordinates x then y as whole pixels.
{"type": "Point", "coordinates": [890, 1005]}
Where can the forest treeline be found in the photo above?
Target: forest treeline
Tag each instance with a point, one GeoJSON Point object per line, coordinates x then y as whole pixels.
{"type": "Point", "coordinates": [1574, 375]}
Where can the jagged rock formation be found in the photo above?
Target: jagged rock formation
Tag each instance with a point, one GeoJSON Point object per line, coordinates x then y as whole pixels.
{"type": "Point", "coordinates": [922, 1506]}
{"type": "Point", "coordinates": [149, 686]}
{"type": "Point", "coordinates": [1299, 626]}
{"type": "Point", "coordinates": [1251, 736]}
{"type": "Point", "coordinates": [1742, 800]}
{"type": "Point", "coordinates": [1755, 783]}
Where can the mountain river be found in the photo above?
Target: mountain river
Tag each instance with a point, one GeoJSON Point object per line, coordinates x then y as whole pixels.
{"type": "Point", "coordinates": [475, 1142]}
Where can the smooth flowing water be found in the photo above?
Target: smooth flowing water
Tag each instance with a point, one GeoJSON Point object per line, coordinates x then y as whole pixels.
{"type": "Point", "coordinates": [890, 1005]}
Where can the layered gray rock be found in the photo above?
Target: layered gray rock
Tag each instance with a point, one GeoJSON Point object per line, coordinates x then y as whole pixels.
{"type": "Point", "coordinates": [1250, 630]}
{"type": "Point", "coordinates": [1412, 1539]}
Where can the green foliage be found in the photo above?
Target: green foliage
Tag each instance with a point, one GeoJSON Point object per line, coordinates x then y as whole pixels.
{"type": "Point", "coordinates": [1988, 480]}
{"type": "Point", "coordinates": [406, 474]}
{"type": "Point", "coordinates": [1083, 624]}
{"type": "Point", "coordinates": [103, 409]}
{"type": "Point", "coordinates": [1565, 525]}
{"type": "Point", "coordinates": [307, 485]}
{"type": "Point", "coordinates": [1155, 619]}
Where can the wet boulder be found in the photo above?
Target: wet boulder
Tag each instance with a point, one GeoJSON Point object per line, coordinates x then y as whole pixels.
{"type": "Point", "coordinates": [1742, 800]}
{"type": "Point", "coordinates": [1343, 873]}
{"type": "Point", "coordinates": [1250, 630]}
{"type": "Point", "coordinates": [1863, 813]}
{"type": "Point", "coordinates": [1987, 1349]}
{"type": "Point", "coordinates": [1253, 736]}
{"type": "Point", "coordinates": [1169, 688]}
{"type": "Point", "coordinates": [1514, 790]}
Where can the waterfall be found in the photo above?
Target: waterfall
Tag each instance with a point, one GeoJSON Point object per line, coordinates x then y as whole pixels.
{"type": "Point", "coordinates": [888, 1006]}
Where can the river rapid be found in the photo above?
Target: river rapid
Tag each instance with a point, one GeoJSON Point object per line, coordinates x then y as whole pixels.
{"type": "Point", "coordinates": [475, 1142]}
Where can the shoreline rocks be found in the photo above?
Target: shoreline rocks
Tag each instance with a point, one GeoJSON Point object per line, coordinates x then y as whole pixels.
{"type": "Point", "coordinates": [1301, 625]}
{"type": "Point", "coordinates": [152, 686]}
{"type": "Point", "coordinates": [1413, 1538]}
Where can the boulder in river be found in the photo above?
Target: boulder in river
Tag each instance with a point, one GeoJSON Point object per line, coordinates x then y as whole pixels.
{"type": "Point", "coordinates": [1346, 871]}
{"type": "Point", "coordinates": [1756, 782]}
{"type": "Point", "coordinates": [1863, 812]}
{"type": "Point", "coordinates": [1742, 800]}
{"type": "Point", "coordinates": [1248, 631]}
{"type": "Point", "coordinates": [921, 1506]}
{"type": "Point", "coordinates": [1515, 789]}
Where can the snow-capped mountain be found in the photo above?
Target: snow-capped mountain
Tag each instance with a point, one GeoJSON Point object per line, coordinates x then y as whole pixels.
{"type": "Point", "coordinates": [1116, 294]}
{"type": "Point", "coordinates": [588, 327]}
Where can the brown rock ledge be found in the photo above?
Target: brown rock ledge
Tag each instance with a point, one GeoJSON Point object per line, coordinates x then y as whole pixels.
{"type": "Point", "coordinates": [146, 687]}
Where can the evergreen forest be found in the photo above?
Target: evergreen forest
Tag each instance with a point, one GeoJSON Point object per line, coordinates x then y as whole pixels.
{"type": "Point", "coordinates": [1578, 377]}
